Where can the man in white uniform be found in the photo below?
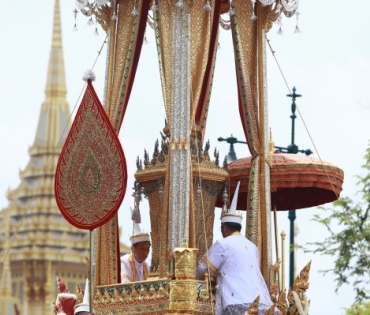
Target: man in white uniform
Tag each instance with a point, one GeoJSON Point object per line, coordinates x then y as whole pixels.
{"type": "Point", "coordinates": [134, 266]}
{"type": "Point", "coordinates": [234, 262]}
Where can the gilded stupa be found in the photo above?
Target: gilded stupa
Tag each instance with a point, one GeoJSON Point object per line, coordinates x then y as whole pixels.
{"type": "Point", "coordinates": [45, 244]}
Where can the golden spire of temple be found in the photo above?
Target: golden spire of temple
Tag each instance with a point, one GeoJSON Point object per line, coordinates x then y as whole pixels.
{"type": "Point", "coordinates": [55, 109]}
{"type": "Point", "coordinates": [42, 243]}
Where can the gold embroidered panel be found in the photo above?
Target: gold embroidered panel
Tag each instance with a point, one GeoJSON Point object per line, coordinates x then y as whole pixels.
{"type": "Point", "coordinates": [133, 298]}
{"type": "Point", "coordinates": [244, 31]}
{"type": "Point", "coordinates": [125, 45]}
{"type": "Point", "coordinates": [151, 297]}
{"type": "Point", "coordinates": [200, 29]}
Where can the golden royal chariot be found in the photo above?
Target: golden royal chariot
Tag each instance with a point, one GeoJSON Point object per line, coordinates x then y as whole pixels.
{"type": "Point", "coordinates": [182, 182]}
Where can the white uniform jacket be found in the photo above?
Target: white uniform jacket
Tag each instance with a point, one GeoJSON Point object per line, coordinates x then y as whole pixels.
{"type": "Point", "coordinates": [234, 260]}
{"type": "Point", "coordinates": [132, 270]}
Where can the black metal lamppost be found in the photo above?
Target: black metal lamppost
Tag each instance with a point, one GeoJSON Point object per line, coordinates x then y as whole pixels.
{"type": "Point", "coordinates": [293, 149]}
{"type": "Point", "coordinates": [231, 156]}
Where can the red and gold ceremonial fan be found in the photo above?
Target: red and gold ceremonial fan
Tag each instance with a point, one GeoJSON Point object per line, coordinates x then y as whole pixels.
{"type": "Point", "coordinates": [91, 175]}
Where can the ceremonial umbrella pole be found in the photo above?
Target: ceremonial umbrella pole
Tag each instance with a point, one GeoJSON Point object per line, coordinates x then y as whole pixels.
{"type": "Point", "coordinates": [293, 149]}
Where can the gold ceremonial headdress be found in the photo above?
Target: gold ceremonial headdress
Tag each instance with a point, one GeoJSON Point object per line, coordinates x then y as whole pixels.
{"type": "Point", "coordinates": [137, 235]}
{"type": "Point", "coordinates": [231, 216]}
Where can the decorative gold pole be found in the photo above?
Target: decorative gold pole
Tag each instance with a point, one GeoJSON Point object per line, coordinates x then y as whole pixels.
{"type": "Point", "coordinates": [90, 274]}
{"type": "Point", "coordinates": [282, 261]}
{"type": "Point", "coordinates": [112, 57]}
{"type": "Point", "coordinates": [276, 242]}
{"type": "Point", "coordinates": [264, 241]}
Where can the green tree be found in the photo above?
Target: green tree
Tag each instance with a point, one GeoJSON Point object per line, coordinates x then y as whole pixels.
{"type": "Point", "coordinates": [363, 309]}
{"type": "Point", "coordinates": [348, 224]}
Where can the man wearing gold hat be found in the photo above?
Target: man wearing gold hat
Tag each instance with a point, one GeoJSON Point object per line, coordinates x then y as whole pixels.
{"type": "Point", "coordinates": [234, 262]}
{"type": "Point", "coordinates": [134, 266]}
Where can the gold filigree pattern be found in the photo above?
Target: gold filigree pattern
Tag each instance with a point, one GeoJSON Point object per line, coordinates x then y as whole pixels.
{"type": "Point", "coordinates": [296, 295]}
{"type": "Point", "coordinates": [202, 107]}
{"type": "Point", "coordinates": [183, 295]}
{"type": "Point", "coordinates": [128, 42]}
{"type": "Point", "coordinates": [127, 291]}
{"type": "Point", "coordinates": [271, 310]}
{"type": "Point", "coordinates": [274, 281]}
{"type": "Point", "coordinates": [185, 262]}
{"type": "Point", "coordinates": [90, 179]}
{"type": "Point", "coordinates": [150, 297]}
{"type": "Point", "coordinates": [253, 309]}
{"type": "Point", "coordinates": [79, 294]}
{"type": "Point", "coordinates": [201, 23]}
{"type": "Point", "coordinates": [244, 31]}
{"type": "Point", "coordinates": [107, 260]}
{"type": "Point", "coordinates": [201, 223]}
{"type": "Point", "coordinates": [282, 304]}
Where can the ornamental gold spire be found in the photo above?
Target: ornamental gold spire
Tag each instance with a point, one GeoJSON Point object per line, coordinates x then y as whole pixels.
{"type": "Point", "coordinates": [55, 109]}
{"type": "Point", "coordinates": [42, 243]}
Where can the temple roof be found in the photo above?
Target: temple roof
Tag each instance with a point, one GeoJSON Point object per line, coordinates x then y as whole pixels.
{"type": "Point", "coordinates": [44, 233]}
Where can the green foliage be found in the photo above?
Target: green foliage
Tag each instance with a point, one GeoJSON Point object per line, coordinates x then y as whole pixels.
{"type": "Point", "coordinates": [363, 309]}
{"type": "Point", "coordinates": [350, 243]}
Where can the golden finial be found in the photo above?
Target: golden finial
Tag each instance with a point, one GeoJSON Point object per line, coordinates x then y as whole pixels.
{"type": "Point", "coordinates": [271, 144]}
{"type": "Point", "coordinates": [87, 262]}
{"type": "Point", "coordinates": [79, 294]}
{"type": "Point", "coordinates": [304, 274]}
{"type": "Point", "coordinates": [282, 260]}
{"type": "Point", "coordinates": [274, 281]}
{"type": "Point", "coordinates": [185, 243]}
{"type": "Point", "coordinates": [253, 309]}
{"type": "Point", "coordinates": [296, 296]}
{"type": "Point", "coordinates": [282, 304]}
{"type": "Point", "coordinates": [271, 150]}
{"type": "Point", "coordinates": [271, 310]}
